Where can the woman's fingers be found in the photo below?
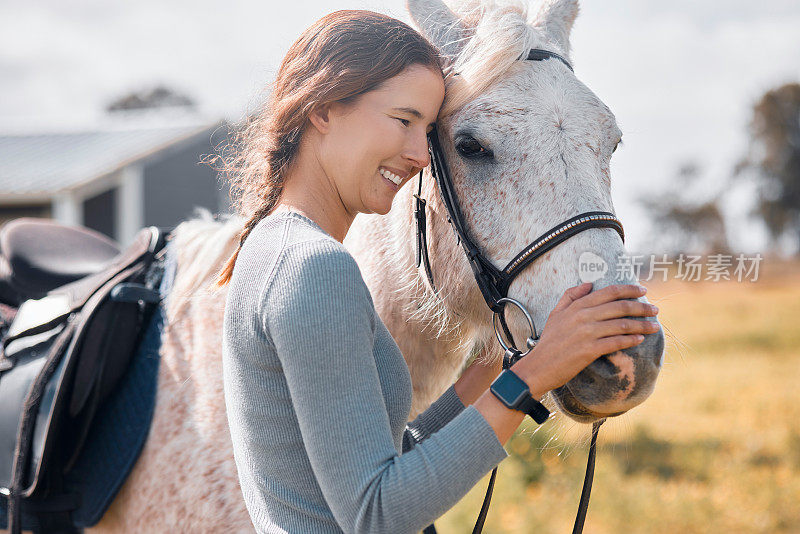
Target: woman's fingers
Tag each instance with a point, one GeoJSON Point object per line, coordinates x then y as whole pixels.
{"type": "Point", "coordinates": [572, 294]}
{"type": "Point", "coordinates": [614, 327]}
{"type": "Point", "coordinates": [623, 308]}
{"type": "Point", "coordinates": [584, 326]}
{"type": "Point", "coordinates": [611, 293]}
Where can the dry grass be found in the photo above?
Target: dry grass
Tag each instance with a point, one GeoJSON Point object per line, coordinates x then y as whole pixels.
{"type": "Point", "coordinates": [715, 449]}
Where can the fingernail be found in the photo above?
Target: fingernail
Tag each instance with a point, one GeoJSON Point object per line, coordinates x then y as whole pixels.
{"type": "Point", "coordinates": [642, 290]}
{"type": "Point", "coordinates": [654, 308]}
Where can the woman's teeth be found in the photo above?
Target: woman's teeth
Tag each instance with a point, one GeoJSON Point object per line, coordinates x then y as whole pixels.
{"type": "Point", "coordinates": [396, 180]}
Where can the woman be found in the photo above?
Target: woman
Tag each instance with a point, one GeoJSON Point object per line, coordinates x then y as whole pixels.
{"type": "Point", "coordinates": [317, 391]}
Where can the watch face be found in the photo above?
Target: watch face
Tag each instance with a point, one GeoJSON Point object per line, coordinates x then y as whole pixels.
{"type": "Point", "coordinates": [512, 389]}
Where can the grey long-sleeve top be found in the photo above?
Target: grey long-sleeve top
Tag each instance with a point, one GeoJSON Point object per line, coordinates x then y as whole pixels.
{"type": "Point", "coordinates": [318, 396]}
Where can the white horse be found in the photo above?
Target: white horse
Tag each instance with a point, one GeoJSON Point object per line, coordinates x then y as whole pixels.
{"type": "Point", "coordinates": [551, 140]}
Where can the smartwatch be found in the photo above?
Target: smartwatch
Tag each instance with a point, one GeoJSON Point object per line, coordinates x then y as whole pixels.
{"type": "Point", "coordinates": [515, 394]}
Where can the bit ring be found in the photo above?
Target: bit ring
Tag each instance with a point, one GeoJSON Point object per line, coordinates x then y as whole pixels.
{"type": "Point", "coordinates": [530, 343]}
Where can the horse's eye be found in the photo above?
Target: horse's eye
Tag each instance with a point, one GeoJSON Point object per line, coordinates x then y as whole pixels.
{"type": "Point", "coordinates": [469, 147]}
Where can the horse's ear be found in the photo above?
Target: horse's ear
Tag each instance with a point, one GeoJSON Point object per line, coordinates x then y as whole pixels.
{"type": "Point", "coordinates": [556, 17]}
{"type": "Point", "coordinates": [440, 25]}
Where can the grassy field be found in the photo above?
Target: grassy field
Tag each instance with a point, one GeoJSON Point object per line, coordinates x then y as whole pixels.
{"type": "Point", "coordinates": [715, 449]}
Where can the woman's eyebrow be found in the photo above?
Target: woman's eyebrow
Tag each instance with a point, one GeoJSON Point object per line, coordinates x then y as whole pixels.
{"type": "Point", "coordinates": [410, 111]}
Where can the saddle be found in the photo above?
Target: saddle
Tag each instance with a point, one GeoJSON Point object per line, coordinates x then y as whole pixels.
{"type": "Point", "coordinates": [39, 255]}
{"type": "Point", "coordinates": [82, 306]}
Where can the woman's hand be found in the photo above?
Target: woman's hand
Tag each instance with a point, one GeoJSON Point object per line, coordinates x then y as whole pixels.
{"type": "Point", "coordinates": [582, 327]}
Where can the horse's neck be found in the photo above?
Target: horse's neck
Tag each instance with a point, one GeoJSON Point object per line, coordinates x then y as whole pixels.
{"type": "Point", "coordinates": [384, 249]}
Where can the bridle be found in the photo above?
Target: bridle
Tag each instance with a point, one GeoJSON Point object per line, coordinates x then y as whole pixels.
{"type": "Point", "coordinates": [494, 283]}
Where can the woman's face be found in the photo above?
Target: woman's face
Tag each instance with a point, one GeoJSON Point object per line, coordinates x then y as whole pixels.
{"type": "Point", "coordinates": [376, 143]}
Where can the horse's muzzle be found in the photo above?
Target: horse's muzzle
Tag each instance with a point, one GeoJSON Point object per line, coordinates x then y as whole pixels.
{"type": "Point", "coordinates": [613, 383]}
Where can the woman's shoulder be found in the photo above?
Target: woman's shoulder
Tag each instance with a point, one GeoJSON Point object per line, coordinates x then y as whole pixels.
{"type": "Point", "coordinates": [311, 275]}
{"type": "Point", "coordinates": [282, 230]}
{"type": "Point", "coordinates": [290, 247]}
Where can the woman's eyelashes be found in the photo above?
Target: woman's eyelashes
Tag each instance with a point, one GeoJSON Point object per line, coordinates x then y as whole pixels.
{"type": "Point", "coordinates": [404, 122]}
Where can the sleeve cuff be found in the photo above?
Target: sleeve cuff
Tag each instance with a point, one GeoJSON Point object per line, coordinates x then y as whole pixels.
{"type": "Point", "coordinates": [438, 414]}
{"type": "Point", "coordinates": [484, 440]}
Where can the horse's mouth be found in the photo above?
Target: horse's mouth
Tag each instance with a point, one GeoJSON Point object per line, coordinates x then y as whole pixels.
{"type": "Point", "coordinates": [576, 410]}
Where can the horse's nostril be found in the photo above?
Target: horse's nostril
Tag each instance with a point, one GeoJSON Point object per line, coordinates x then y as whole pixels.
{"type": "Point", "coordinates": [603, 367]}
{"type": "Point", "coordinates": [650, 351]}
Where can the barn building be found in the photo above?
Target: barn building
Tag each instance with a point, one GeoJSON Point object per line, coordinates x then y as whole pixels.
{"type": "Point", "coordinates": [114, 179]}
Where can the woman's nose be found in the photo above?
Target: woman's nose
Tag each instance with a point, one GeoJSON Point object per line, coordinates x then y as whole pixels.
{"type": "Point", "coordinates": [417, 150]}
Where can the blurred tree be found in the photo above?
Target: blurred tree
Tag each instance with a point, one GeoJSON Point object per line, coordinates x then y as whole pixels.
{"type": "Point", "coordinates": [156, 97]}
{"type": "Point", "coordinates": [775, 156]}
{"type": "Point", "coordinates": [684, 225]}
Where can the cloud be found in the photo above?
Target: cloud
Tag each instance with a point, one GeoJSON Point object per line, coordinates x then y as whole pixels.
{"type": "Point", "coordinates": [681, 79]}
{"type": "Point", "coordinates": [680, 76]}
{"type": "Point", "coordinates": [72, 58]}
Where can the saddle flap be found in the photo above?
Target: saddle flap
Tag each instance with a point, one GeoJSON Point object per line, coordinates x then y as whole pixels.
{"type": "Point", "coordinates": [97, 357]}
{"type": "Point", "coordinates": [106, 350]}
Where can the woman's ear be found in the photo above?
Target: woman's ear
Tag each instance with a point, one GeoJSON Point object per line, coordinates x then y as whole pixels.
{"type": "Point", "coordinates": [320, 118]}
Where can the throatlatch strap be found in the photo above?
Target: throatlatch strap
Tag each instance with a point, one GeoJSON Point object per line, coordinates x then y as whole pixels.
{"type": "Point", "coordinates": [486, 275]}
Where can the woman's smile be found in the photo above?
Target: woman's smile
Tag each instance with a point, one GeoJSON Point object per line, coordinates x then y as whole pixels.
{"type": "Point", "coordinates": [393, 177]}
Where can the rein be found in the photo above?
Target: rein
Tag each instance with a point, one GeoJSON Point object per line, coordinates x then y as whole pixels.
{"type": "Point", "coordinates": [494, 283]}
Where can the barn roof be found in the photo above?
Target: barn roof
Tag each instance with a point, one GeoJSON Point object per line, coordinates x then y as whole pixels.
{"type": "Point", "coordinates": [42, 164]}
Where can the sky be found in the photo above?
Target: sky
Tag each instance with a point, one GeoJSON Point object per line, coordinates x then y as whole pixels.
{"type": "Point", "coordinates": [680, 76]}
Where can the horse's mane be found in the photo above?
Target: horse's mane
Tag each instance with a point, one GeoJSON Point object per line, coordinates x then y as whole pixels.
{"type": "Point", "coordinates": [202, 244]}
{"type": "Point", "coordinates": [498, 34]}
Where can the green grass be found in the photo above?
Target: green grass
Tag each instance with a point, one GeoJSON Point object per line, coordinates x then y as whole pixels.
{"type": "Point", "coordinates": [716, 448]}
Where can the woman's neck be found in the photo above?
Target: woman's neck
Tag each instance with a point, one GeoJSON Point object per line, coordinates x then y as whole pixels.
{"type": "Point", "coordinates": [308, 190]}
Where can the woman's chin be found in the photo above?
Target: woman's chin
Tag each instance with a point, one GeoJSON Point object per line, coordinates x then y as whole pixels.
{"type": "Point", "coordinates": [382, 207]}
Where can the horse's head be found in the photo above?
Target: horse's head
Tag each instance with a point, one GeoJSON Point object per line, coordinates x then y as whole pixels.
{"type": "Point", "coordinates": [529, 146]}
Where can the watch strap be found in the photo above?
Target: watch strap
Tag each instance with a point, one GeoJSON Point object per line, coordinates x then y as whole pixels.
{"type": "Point", "coordinates": [535, 409]}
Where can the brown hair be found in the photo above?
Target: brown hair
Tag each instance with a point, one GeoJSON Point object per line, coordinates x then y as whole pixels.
{"type": "Point", "coordinates": [341, 56]}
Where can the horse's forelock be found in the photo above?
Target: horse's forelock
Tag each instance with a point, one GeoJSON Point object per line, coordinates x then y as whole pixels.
{"type": "Point", "coordinates": [499, 33]}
